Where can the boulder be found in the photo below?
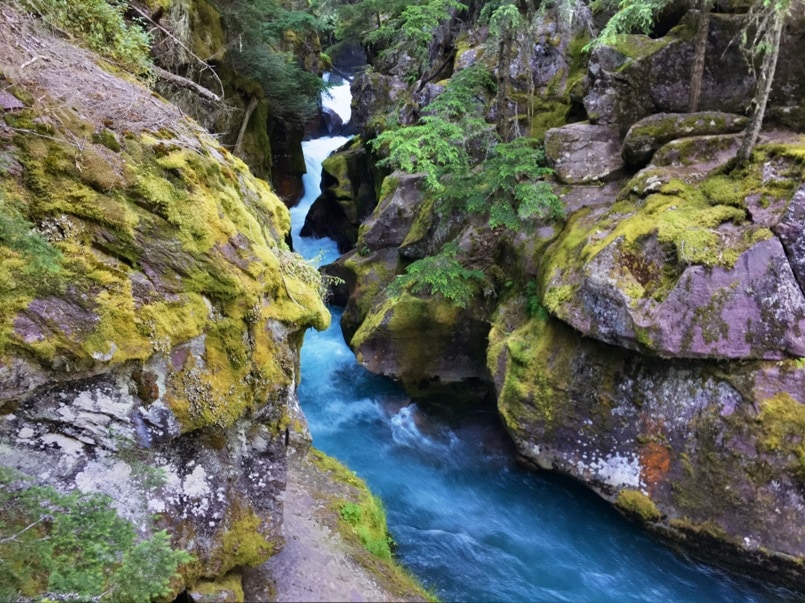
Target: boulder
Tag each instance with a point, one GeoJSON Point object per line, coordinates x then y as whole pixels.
{"type": "Point", "coordinates": [447, 365]}
{"type": "Point", "coordinates": [583, 153]}
{"type": "Point", "coordinates": [640, 76]}
{"type": "Point", "coordinates": [391, 221]}
{"type": "Point", "coordinates": [348, 184]}
{"type": "Point", "coordinates": [380, 96]}
{"type": "Point", "coordinates": [679, 272]}
{"type": "Point", "coordinates": [791, 230]}
{"type": "Point", "coordinates": [332, 121]}
{"type": "Point", "coordinates": [650, 133]}
{"type": "Point", "coordinates": [707, 454]}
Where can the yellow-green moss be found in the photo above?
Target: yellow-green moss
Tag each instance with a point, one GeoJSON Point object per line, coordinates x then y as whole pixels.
{"type": "Point", "coordinates": [537, 373]}
{"type": "Point", "coordinates": [637, 504]}
{"type": "Point", "coordinates": [402, 320]}
{"type": "Point", "coordinates": [637, 46]}
{"type": "Point", "coordinates": [683, 217]}
{"type": "Point", "coordinates": [242, 542]}
{"type": "Point", "coordinates": [228, 589]}
{"type": "Point", "coordinates": [204, 27]}
{"type": "Point", "coordinates": [422, 222]}
{"type": "Point", "coordinates": [782, 425]}
{"type": "Point", "coordinates": [361, 521]}
{"type": "Point", "coordinates": [372, 277]}
{"type": "Point", "coordinates": [216, 238]}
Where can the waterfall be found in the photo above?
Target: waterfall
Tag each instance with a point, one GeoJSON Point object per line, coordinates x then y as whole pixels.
{"type": "Point", "coordinates": [323, 251]}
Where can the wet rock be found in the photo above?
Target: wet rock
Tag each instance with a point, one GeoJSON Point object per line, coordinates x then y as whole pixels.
{"type": "Point", "coordinates": [348, 196]}
{"type": "Point", "coordinates": [659, 438]}
{"type": "Point", "coordinates": [446, 365]}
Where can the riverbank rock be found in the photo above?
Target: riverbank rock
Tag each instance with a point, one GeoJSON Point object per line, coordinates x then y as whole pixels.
{"type": "Point", "coordinates": [704, 453]}
{"type": "Point", "coordinates": [324, 559]}
{"type": "Point", "coordinates": [348, 183]}
{"type": "Point", "coordinates": [150, 315]}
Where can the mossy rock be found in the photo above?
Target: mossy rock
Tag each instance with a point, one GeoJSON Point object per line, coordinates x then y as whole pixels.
{"type": "Point", "coordinates": [681, 250]}
{"type": "Point", "coordinates": [224, 590]}
{"type": "Point", "coordinates": [650, 133]}
{"type": "Point", "coordinates": [149, 245]}
{"type": "Point", "coordinates": [658, 437]}
{"type": "Point", "coordinates": [390, 342]}
{"type": "Point", "coordinates": [636, 504]}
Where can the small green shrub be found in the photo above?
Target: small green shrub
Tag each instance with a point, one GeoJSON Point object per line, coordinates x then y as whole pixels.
{"type": "Point", "coordinates": [533, 305]}
{"type": "Point", "coordinates": [76, 545]}
{"type": "Point", "coordinates": [441, 275]}
{"type": "Point", "coordinates": [100, 26]}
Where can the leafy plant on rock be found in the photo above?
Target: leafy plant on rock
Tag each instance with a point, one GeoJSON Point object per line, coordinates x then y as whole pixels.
{"type": "Point", "coordinates": [77, 546]}
{"type": "Point", "coordinates": [440, 274]}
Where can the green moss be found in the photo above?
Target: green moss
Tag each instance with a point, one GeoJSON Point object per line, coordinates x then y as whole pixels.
{"type": "Point", "coordinates": [537, 374]}
{"type": "Point", "coordinates": [707, 528]}
{"type": "Point", "coordinates": [685, 220]}
{"type": "Point", "coordinates": [172, 208]}
{"type": "Point", "coordinates": [372, 275]}
{"type": "Point", "coordinates": [637, 504]}
{"type": "Point", "coordinates": [108, 139]}
{"type": "Point", "coordinates": [361, 522]}
{"type": "Point", "coordinates": [207, 37]}
{"type": "Point", "coordinates": [256, 142]}
{"type": "Point", "coordinates": [637, 46]}
{"type": "Point", "coordinates": [421, 225]}
{"type": "Point", "coordinates": [228, 589]}
{"type": "Point", "coordinates": [242, 542]}
{"type": "Point", "coordinates": [782, 425]}
{"type": "Point", "coordinates": [387, 188]}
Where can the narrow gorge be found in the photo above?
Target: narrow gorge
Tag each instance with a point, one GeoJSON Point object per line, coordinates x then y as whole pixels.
{"type": "Point", "coordinates": [533, 271]}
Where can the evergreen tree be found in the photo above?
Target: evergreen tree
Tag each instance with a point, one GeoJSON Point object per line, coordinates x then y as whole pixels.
{"type": "Point", "coordinates": [259, 29]}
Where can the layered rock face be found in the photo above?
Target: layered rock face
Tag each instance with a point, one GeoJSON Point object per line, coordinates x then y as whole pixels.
{"type": "Point", "coordinates": [151, 314]}
{"type": "Point", "coordinates": [650, 344]}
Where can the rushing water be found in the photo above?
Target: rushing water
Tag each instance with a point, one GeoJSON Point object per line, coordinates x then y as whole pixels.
{"type": "Point", "coordinates": [469, 522]}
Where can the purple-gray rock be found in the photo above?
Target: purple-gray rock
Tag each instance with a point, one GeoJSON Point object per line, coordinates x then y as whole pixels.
{"type": "Point", "coordinates": [791, 231]}
{"type": "Point", "coordinates": [583, 153]}
{"type": "Point", "coordinates": [391, 220]}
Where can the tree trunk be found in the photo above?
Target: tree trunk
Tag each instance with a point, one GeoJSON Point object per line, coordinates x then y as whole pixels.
{"type": "Point", "coordinates": [763, 91]}
{"type": "Point", "coordinates": [247, 115]}
{"type": "Point", "coordinates": [504, 52]}
{"type": "Point", "coordinates": [185, 83]}
{"type": "Point", "coordinates": [698, 59]}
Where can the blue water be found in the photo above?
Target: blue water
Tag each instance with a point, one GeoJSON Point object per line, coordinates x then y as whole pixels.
{"type": "Point", "coordinates": [469, 522]}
